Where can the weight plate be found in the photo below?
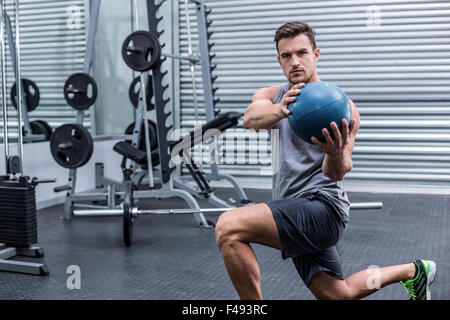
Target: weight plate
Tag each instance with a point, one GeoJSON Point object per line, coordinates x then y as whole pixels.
{"type": "Point", "coordinates": [31, 91]}
{"type": "Point", "coordinates": [16, 201]}
{"type": "Point", "coordinates": [141, 50]}
{"type": "Point", "coordinates": [5, 200]}
{"type": "Point", "coordinates": [80, 91]}
{"type": "Point", "coordinates": [135, 89]}
{"type": "Point", "coordinates": [19, 235]}
{"type": "Point", "coordinates": [4, 196]}
{"type": "Point", "coordinates": [26, 210]}
{"type": "Point", "coordinates": [19, 212]}
{"type": "Point", "coordinates": [14, 220]}
{"type": "Point", "coordinates": [48, 129]}
{"type": "Point", "coordinates": [18, 231]}
{"type": "Point", "coordinates": [127, 224]}
{"type": "Point", "coordinates": [41, 127]}
{"type": "Point", "coordinates": [19, 241]}
{"type": "Point", "coordinates": [152, 132]}
{"type": "Point", "coordinates": [71, 145]}
{"type": "Point", "coordinates": [11, 191]}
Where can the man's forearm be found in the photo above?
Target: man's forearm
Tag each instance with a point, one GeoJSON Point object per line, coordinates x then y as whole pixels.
{"type": "Point", "coordinates": [335, 167]}
{"type": "Point", "coordinates": [261, 115]}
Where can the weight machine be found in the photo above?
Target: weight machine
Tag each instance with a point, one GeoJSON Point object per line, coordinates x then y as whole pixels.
{"type": "Point", "coordinates": [18, 219]}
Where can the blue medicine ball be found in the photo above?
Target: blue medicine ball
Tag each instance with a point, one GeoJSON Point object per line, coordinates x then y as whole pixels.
{"type": "Point", "coordinates": [318, 104]}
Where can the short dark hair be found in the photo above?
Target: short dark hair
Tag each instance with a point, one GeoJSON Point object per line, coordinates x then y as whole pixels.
{"type": "Point", "coordinates": [294, 28]}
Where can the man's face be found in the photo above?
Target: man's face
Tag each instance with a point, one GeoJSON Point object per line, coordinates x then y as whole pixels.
{"type": "Point", "coordinates": [297, 58]}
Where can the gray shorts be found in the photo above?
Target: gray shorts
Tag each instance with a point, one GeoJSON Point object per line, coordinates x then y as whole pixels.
{"type": "Point", "coordinates": [309, 229]}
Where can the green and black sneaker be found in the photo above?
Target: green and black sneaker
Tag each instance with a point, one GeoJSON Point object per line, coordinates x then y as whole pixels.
{"type": "Point", "coordinates": [419, 286]}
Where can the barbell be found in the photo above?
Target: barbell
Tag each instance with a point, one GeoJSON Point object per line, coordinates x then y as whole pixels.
{"type": "Point", "coordinates": [129, 213]}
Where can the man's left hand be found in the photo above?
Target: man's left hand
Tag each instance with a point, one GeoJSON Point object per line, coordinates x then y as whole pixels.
{"type": "Point", "coordinates": [336, 147]}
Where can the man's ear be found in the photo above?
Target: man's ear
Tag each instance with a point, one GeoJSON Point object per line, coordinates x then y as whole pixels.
{"type": "Point", "coordinates": [316, 54]}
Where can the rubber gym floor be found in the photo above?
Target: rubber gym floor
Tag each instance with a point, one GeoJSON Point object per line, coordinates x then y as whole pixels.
{"type": "Point", "coordinates": [171, 258]}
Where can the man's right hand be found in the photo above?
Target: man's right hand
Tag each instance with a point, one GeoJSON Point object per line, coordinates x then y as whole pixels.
{"type": "Point", "coordinates": [288, 98]}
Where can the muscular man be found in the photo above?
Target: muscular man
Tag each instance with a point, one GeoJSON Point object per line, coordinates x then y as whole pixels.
{"type": "Point", "coordinates": [310, 210]}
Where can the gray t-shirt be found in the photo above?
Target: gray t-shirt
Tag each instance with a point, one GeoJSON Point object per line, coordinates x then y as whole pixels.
{"type": "Point", "coordinates": [299, 171]}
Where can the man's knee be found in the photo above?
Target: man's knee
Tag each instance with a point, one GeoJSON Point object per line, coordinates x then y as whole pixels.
{"type": "Point", "coordinates": [226, 229]}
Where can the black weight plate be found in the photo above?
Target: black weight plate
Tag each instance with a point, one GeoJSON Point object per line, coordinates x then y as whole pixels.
{"type": "Point", "coordinates": [31, 92]}
{"type": "Point", "coordinates": [13, 242]}
{"type": "Point", "coordinates": [13, 186]}
{"type": "Point", "coordinates": [127, 225]}
{"type": "Point", "coordinates": [18, 204]}
{"type": "Point", "coordinates": [7, 198]}
{"type": "Point", "coordinates": [19, 241]}
{"type": "Point", "coordinates": [135, 89]}
{"type": "Point", "coordinates": [10, 227]}
{"type": "Point", "coordinates": [78, 145]}
{"type": "Point", "coordinates": [19, 232]}
{"type": "Point", "coordinates": [13, 220]}
{"type": "Point", "coordinates": [80, 91]}
{"type": "Point", "coordinates": [48, 128]}
{"type": "Point", "coordinates": [152, 132]}
{"type": "Point", "coordinates": [14, 198]}
{"type": "Point", "coordinates": [4, 192]}
{"type": "Point", "coordinates": [17, 219]}
{"type": "Point", "coordinates": [15, 191]}
{"type": "Point", "coordinates": [16, 201]}
{"type": "Point", "coordinates": [141, 50]}
{"type": "Point", "coordinates": [20, 235]}
{"type": "Point", "coordinates": [23, 233]}
{"type": "Point", "coordinates": [20, 212]}
{"type": "Point", "coordinates": [41, 127]}
{"type": "Point", "coordinates": [21, 244]}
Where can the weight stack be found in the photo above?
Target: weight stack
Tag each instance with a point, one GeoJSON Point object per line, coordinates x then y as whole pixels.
{"type": "Point", "coordinates": [18, 219]}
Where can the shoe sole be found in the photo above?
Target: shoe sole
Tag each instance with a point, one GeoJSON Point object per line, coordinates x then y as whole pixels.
{"type": "Point", "coordinates": [431, 278]}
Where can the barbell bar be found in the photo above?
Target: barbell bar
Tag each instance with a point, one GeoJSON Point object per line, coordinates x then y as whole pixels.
{"type": "Point", "coordinates": [135, 211]}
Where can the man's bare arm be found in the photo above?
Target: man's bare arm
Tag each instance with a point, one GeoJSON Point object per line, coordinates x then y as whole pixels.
{"type": "Point", "coordinates": [262, 113]}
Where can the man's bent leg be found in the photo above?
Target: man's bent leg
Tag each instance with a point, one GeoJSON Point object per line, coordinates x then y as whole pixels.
{"type": "Point", "coordinates": [235, 229]}
{"type": "Point", "coordinates": [360, 284]}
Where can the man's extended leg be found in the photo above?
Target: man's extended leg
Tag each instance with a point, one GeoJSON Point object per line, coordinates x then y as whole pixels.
{"type": "Point", "coordinates": [235, 229]}
{"type": "Point", "coordinates": [366, 282]}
